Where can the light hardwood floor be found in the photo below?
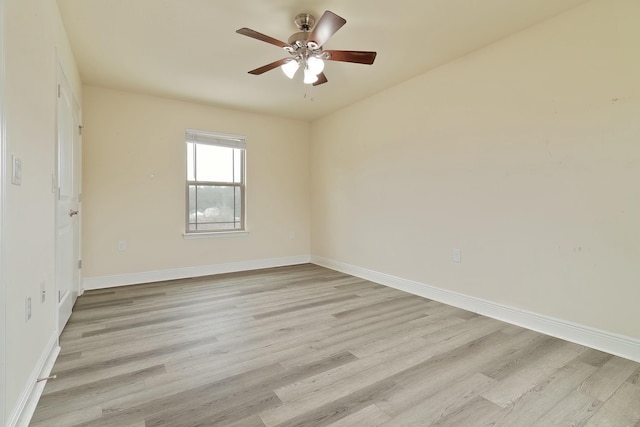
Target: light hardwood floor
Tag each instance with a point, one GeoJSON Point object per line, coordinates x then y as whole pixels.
{"type": "Point", "coordinates": [306, 346]}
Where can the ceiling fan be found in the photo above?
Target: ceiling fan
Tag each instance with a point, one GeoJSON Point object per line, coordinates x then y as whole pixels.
{"type": "Point", "coordinates": [305, 48]}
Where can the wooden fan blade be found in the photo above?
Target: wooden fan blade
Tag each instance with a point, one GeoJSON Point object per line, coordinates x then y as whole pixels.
{"type": "Point", "coordinates": [327, 26]}
{"type": "Point", "coordinates": [358, 56]}
{"type": "Point", "coordinates": [268, 67]}
{"type": "Point", "coordinates": [259, 36]}
{"type": "Point", "coordinates": [321, 79]}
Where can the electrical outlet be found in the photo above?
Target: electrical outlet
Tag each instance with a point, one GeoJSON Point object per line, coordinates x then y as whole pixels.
{"type": "Point", "coordinates": [122, 245]}
{"type": "Point", "coordinates": [292, 235]}
{"type": "Point", "coordinates": [27, 309]}
{"type": "Point", "coordinates": [456, 256]}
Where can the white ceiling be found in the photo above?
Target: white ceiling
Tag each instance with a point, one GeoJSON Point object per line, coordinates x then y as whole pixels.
{"type": "Point", "coordinates": [188, 49]}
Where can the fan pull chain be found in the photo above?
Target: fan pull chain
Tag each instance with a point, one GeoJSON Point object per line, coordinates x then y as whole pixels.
{"type": "Point", "coordinates": [308, 95]}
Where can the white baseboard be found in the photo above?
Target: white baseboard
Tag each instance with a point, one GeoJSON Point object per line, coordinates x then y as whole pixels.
{"type": "Point", "coordinates": [102, 282]}
{"type": "Point", "coordinates": [24, 410]}
{"type": "Point", "coordinates": [619, 345]}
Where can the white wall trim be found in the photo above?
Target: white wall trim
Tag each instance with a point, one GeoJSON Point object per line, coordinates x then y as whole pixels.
{"type": "Point", "coordinates": [24, 410]}
{"type": "Point", "coordinates": [102, 282]}
{"type": "Point", "coordinates": [618, 345]}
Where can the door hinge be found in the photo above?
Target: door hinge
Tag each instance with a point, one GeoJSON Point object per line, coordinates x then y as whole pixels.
{"type": "Point", "coordinates": [79, 264]}
{"type": "Point", "coordinates": [80, 130]}
{"type": "Point", "coordinates": [58, 91]}
{"type": "Point", "coordinates": [79, 197]}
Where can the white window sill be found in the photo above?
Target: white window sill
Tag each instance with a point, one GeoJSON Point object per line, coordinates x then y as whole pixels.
{"type": "Point", "coordinates": [214, 234]}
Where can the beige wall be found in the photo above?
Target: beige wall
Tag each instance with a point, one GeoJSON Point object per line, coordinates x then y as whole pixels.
{"type": "Point", "coordinates": [525, 155]}
{"type": "Point", "coordinates": [34, 36]}
{"type": "Point", "coordinates": [134, 185]}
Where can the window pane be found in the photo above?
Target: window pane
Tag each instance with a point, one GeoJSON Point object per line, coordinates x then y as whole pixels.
{"type": "Point", "coordinates": [194, 214]}
{"type": "Point", "coordinates": [237, 166]}
{"type": "Point", "coordinates": [192, 200]}
{"type": "Point", "coordinates": [214, 208]}
{"type": "Point", "coordinates": [214, 163]}
{"type": "Point", "coordinates": [238, 207]}
{"type": "Point", "coordinates": [190, 157]}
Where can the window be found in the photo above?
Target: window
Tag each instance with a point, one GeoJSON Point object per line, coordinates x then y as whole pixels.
{"type": "Point", "coordinates": [215, 182]}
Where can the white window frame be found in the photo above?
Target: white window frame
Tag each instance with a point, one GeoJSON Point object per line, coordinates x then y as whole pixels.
{"type": "Point", "coordinates": [219, 140]}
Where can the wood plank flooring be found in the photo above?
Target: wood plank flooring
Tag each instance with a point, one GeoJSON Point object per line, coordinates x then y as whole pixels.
{"type": "Point", "coordinates": [307, 346]}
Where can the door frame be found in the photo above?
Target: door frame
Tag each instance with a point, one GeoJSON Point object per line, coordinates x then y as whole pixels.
{"type": "Point", "coordinates": [76, 288]}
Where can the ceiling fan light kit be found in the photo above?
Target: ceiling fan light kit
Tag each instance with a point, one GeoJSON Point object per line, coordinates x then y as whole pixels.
{"type": "Point", "coordinates": [315, 64]}
{"type": "Point", "coordinates": [309, 77]}
{"type": "Point", "coordinates": [290, 67]}
{"type": "Point", "coordinates": [305, 48]}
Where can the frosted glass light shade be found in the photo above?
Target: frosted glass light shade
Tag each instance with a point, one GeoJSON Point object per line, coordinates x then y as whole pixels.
{"type": "Point", "coordinates": [289, 68]}
{"type": "Point", "coordinates": [309, 76]}
{"type": "Point", "coordinates": [316, 65]}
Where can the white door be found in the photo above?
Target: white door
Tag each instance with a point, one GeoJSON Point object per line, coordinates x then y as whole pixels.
{"type": "Point", "coordinates": [67, 203]}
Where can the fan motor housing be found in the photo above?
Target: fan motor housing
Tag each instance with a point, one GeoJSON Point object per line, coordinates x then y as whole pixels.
{"type": "Point", "coordinates": [298, 39]}
{"type": "Point", "coordinates": [304, 21]}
